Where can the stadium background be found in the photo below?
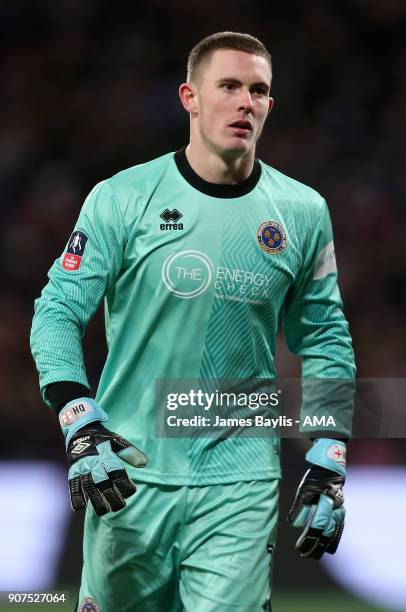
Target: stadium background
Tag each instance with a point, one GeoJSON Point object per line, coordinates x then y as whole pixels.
{"type": "Point", "coordinates": [89, 88]}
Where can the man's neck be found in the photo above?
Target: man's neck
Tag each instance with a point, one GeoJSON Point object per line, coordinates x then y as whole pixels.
{"type": "Point", "coordinates": [213, 168]}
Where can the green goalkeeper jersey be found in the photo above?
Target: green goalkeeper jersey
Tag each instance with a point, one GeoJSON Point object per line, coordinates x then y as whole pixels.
{"type": "Point", "coordinates": [195, 279]}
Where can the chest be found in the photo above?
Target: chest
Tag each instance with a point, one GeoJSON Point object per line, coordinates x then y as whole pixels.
{"type": "Point", "coordinates": [242, 250]}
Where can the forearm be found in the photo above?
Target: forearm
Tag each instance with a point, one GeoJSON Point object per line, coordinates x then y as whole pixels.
{"type": "Point", "coordinates": [56, 344]}
{"type": "Point", "coordinates": [328, 385]}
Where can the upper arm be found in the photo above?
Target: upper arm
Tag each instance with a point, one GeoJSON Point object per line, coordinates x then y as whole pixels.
{"type": "Point", "coordinates": [92, 258]}
{"type": "Point", "coordinates": [314, 323]}
{"type": "Point", "coordinates": [78, 281]}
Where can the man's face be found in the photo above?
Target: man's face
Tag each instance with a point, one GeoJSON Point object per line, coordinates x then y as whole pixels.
{"type": "Point", "coordinates": [233, 101]}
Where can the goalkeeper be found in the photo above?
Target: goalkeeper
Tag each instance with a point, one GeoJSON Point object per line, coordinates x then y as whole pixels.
{"type": "Point", "coordinates": [198, 255]}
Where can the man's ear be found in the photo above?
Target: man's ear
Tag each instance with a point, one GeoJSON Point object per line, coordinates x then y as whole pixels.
{"type": "Point", "coordinates": [271, 103]}
{"type": "Point", "coordinates": [188, 97]}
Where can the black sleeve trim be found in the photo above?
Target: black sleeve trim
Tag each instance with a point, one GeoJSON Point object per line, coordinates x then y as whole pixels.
{"type": "Point", "coordinates": [340, 437]}
{"type": "Point", "coordinates": [60, 393]}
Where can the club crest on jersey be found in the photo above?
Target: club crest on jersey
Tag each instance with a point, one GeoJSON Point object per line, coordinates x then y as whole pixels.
{"type": "Point", "coordinates": [74, 253]}
{"type": "Point", "coordinates": [271, 237]}
{"type": "Point", "coordinates": [89, 605]}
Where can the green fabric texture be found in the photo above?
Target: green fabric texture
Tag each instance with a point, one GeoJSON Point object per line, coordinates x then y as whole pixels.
{"type": "Point", "coordinates": [199, 302]}
{"type": "Point", "coordinates": [180, 548]}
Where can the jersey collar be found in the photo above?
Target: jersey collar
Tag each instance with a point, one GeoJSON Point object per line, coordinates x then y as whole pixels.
{"type": "Point", "coordinates": [216, 190]}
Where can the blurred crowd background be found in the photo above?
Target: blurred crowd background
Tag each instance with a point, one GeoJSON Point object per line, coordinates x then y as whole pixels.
{"type": "Point", "coordinates": [89, 88]}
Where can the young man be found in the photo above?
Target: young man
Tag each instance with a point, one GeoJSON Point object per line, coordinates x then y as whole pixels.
{"type": "Point", "coordinates": [198, 255]}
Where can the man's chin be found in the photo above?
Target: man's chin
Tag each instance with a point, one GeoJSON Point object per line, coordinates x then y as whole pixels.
{"type": "Point", "coordinates": [237, 147]}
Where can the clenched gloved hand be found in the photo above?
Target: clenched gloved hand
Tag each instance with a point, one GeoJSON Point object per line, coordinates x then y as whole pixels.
{"type": "Point", "coordinates": [318, 506]}
{"type": "Point", "coordinates": [96, 456]}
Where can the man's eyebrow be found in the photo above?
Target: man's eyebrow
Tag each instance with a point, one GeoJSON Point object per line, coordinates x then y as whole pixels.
{"type": "Point", "coordinates": [237, 82]}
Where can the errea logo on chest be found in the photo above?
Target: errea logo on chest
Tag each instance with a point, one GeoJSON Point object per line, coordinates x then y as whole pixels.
{"type": "Point", "coordinates": [171, 215]}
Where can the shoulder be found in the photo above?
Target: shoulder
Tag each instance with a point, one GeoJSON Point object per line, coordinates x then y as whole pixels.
{"type": "Point", "coordinates": [300, 196]}
{"type": "Point", "coordinates": [140, 177]}
{"type": "Point", "coordinates": [125, 190]}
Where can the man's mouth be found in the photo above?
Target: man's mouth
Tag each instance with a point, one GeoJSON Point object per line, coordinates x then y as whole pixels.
{"type": "Point", "coordinates": [243, 125]}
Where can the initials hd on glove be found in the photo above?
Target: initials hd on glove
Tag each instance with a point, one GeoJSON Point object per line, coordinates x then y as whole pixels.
{"type": "Point", "coordinates": [96, 455]}
{"type": "Point", "coordinates": [318, 506]}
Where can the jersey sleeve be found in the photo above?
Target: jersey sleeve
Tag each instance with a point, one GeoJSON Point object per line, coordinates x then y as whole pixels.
{"type": "Point", "coordinates": [316, 329]}
{"type": "Point", "coordinates": [78, 281]}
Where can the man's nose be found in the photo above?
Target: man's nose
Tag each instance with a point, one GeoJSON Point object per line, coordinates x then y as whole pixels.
{"type": "Point", "coordinates": [245, 101]}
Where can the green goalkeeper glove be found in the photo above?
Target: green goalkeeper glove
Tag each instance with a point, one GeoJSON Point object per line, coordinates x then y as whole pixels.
{"type": "Point", "coordinates": [318, 506]}
{"type": "Point", "coordinates": [96, 455]}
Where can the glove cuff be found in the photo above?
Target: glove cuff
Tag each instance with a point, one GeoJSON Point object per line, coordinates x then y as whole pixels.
{"type": "Point", "coordinates": [78, 413]}
{"type": "Point", "coordinates": [329, 454]}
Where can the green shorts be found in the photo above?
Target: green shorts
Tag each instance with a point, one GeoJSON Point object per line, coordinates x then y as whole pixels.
{"type": "Point", "coordinates": [182, 548]}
